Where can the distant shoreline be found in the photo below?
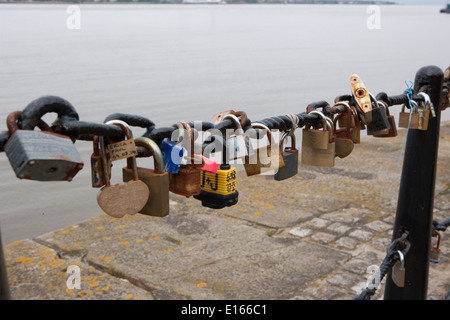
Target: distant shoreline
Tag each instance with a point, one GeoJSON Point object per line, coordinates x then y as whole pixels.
{"type": "Point", "coordinates": [205, 3]}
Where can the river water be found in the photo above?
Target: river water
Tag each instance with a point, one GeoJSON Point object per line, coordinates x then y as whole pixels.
{"type": "Point", "coordinates": [187, 62]}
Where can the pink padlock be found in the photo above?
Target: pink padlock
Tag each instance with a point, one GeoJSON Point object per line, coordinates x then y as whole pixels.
{"type": "Point", "coordinates": [210, 164]}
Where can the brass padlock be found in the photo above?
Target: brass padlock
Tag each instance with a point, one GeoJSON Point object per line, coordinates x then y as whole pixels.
{"type": "Point", "coordinates": [318, 146]}
{"type": "Point", "coordinates": [40, 155]}
{"type": "Point", "coordinates": [187, 181]}
{"type": "Point", "coordinates": [122, 198]}
{"type": "Point", "coordinates": [157, 180]}
{"type": "Point", "coordinates": [289, 154]}
{"type": "Point", "coordinates": [355, 123]}
{"type": "Point", "coordinates": [416, 119]}
{"type": "Point", "coordinates": [264, 160]}
{"type": "Point", "coordinates": [392, 132]}
{"type": "Point", "coordinates": [344, 136]}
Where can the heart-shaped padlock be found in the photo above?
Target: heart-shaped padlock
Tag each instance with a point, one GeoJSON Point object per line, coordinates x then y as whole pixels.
{"type": "Point", "coordinates": [123, 198]}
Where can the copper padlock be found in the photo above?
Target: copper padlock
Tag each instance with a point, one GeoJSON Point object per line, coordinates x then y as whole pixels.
{"type": "Point", "coordinates": [187, 181]}
{"type": "Point", "coordinates": [123, 198]}
{"type": "Point", "coordinates": [344, 136]}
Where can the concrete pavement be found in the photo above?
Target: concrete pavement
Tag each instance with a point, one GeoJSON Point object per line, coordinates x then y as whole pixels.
{"type": "Point", "coordinates": [312, 237]}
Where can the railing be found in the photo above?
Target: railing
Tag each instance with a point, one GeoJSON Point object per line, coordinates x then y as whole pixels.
{"type": "Point", "coordinates": [414, 225]}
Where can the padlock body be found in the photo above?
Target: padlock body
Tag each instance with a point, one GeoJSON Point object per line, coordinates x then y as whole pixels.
{"type": "Point", "coordinates": [123, 198]}
{"type": "Point", "coordinates": [312, 156]}
{"type": "Point", "coordinates": [43, 156]}
{"type": "Point", "coordinates": [172, 155]}
{"type": "Point", "coordinates": [186, 182]}
{"type": "Point", "coordinates": [157, 204]}
{"type": "Point", "coordinates": [236, 147]}
{"type": "Point", "coordinates": [290, 169]}
{"type": "Point", "coordinates": [218, 190]}
{"type": "Point", "coordinates": [97, 173]}
{"type": "Point", "coordinates": [344, 147]}
{"type": "Point", "coordinates": [424, 119]}
{"type": "Point", "coordinates": [404, 120]}
{"type": "Point", "coordinates": [318, 139]}
{"type": "Point", "coordinates": [398, 274]}
{"type": "Point", "coordinates": [380, 123]}
{"type": "Point", "coordinates": [264, 159]}
{"type": "Point", "coordinates": [392, 129]}
{"type": "Point", "coordinates": [435, 254]}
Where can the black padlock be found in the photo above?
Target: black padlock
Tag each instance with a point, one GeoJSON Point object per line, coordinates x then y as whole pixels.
{"type": "Point", "coordinates": [380, 121]}
{"type": "Point", "coordinates": [290, 158]}
{"type": "Point", "coordinates": [218, 190]}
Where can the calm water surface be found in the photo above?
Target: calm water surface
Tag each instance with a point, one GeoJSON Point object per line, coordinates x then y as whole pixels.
{"type": "Point", "coordinates": [186, 62]}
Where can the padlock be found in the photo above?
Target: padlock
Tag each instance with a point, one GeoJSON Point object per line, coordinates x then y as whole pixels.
{"type": "Point", "coordinates": [122, 198]}
{"type": "Point", "coordinates": [236, 145]}
{"type": "Point", "coordinates": [399, 271]}
{"type": "Point", "coordinates": [157, 180]}
{"type": "Point", "coordinates": [97, 174]}
{"type": "Point", "coordinates": [40, 155]}
{"type": "Point", "coordinates": [187, 181]}
{"type": "Point", "coordinates": [380, 122]}
{"type": "Point", "coordinates": [172, 155]}
{"type": "Point", "coordinates": [355, 123]}
{"type": "Point", "coordinates": [392, 132]}
{"type": "Point", "coordinates": [416, 119]}
{"type": "Point", "coordinates": [318, 146]}
{"type": "Point", "coordinates": [435, 252]}
{"type": "Point", "coordinates": [218, 190]}
{"type": "Point", "coordinates": [428, 104]}
{"type": "Point", "coordinates": [266, 159]}
{"type": "Point", "coordinates": [289, 154]}
{"type": "Point", "coordinates": [344, 136]}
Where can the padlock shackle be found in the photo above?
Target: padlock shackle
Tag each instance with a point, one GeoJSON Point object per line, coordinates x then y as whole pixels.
{"type": "Point", "coordinates": [131, 161]}
{"type": "Point", "coordinates": [12, 123]}
{"type": "Point", "coordinates": [257, 125]}
{"type": "Point", "coordinates": [154, 150]}
{"type": "Point", "coordinates": [291, 133]}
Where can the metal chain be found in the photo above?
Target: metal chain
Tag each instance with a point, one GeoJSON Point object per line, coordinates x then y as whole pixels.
{"type": "Point", "coordinates": [392, 256]}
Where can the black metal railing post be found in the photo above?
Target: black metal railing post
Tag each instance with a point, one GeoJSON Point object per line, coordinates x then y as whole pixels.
{"type": "Point", "coordinates": [4, 285]}
{"type": "Point", "coordinates": [416, 194]}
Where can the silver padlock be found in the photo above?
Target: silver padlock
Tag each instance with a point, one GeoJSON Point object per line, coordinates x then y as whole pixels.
{"type": "Point", "coordinates": [40, 155]}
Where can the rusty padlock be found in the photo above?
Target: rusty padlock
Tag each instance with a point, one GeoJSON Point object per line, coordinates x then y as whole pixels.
{"type": "Point", "coordinates": [97, 174]}
{"type": "Point", "coordinates": [187, 181]}
{"type": "Point", "coordinates": [344, 136]}
{"type": "Point", "coordinates": [40, 155]}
